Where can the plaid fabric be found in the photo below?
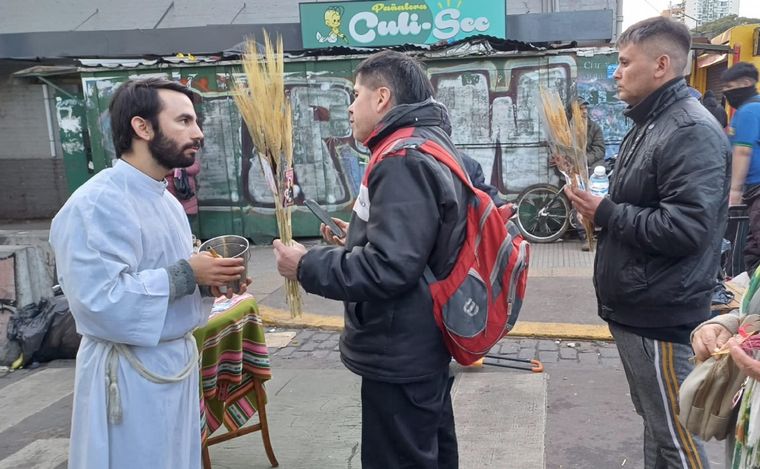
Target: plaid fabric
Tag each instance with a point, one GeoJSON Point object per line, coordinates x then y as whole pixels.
{"type": "Point", "coordinates": [233, 353]}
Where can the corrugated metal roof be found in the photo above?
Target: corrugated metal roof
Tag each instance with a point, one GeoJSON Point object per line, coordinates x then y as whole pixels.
{"type": "Point", "coordinates": [482, 45]}
{"type": "Point", "coordinates": [45, 71]}
{"type": "Point", "coordinates": [478, 45]}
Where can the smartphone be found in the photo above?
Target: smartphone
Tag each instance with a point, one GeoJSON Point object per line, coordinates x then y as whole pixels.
{"type": "Point", "coordinates": [320, 213]}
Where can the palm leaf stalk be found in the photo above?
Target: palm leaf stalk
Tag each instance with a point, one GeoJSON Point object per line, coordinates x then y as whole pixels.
{"type": "Point", "coordinates": [266, 110]}
{"type": "Point", "coordinates": [567, 142]}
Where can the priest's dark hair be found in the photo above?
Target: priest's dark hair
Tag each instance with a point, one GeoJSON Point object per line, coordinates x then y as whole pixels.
{"type": "Point", "coordinates": [138, 98]}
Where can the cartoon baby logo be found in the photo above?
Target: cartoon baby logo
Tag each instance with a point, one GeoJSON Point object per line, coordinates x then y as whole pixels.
{"type": "Point", "coordinates": [333, 16]}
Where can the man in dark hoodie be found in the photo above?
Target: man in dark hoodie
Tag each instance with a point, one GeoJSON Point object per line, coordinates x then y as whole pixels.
{"type": "Point", "coordinates": [475, 171]}
{"type": "Point", "coordinates": [409, 216]}
{"type": "Point", "coordinates": [711, 103]}
{"type": "Point", "coordinates": [662, 224]}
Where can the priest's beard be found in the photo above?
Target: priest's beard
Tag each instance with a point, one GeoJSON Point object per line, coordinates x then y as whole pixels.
{"type": "Point", "coordinates": [169, 154]}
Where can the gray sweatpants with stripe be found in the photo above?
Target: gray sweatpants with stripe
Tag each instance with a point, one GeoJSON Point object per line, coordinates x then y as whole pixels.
{"type": "Point", "coordinates": [655, 370]}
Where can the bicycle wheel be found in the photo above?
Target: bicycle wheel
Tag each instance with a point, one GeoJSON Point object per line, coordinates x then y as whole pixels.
{"type": "Point", "coordinates": [543, 213]}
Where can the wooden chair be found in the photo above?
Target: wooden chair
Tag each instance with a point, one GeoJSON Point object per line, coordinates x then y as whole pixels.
{"type": "Point", "coordinates": [261, 426]}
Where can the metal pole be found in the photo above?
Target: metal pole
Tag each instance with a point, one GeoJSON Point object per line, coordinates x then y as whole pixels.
{"type": "Point", "coordinates": [49, 119]}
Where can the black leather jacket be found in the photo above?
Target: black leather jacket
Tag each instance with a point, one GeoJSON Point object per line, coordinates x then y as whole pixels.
{"type": "Point", "coordinates": [411, 212]}
{"type": "Point", "coordinates": [662, 224]}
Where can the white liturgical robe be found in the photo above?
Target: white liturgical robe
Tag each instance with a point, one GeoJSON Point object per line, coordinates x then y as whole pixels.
{"type": "Point", "coordinates": [113, 240]}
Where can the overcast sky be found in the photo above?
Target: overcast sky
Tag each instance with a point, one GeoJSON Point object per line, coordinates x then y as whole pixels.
{"type": "Point", "coordinates": [637, 10]}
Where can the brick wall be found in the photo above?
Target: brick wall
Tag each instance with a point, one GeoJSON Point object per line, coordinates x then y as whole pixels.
{"type": "Point", "coordinates": [31, 188]}
{"type": "Point", "coordinates": [32, 182]}
{"type": "Point", "coordinates": [23, 123]}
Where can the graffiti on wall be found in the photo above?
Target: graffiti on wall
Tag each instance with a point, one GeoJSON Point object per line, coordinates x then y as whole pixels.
{"type": "Point", "coordinates": [596, 85]}
{"type": "Point", "coordinates": [328, 162]}
{"type": "Point", "coordinates": [493, 107]}
{"type": "Point", "coordinates": [494, 111]}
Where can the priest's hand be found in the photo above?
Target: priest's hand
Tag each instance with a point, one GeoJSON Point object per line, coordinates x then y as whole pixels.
{"type": "Point", "coordinates": [216, 292]}
{"type": "Point", "coordinates": [215, 271]}
{"type": "Point", "coordinates": [707, 339]}
{"type": "Point", "coordinates": [288, 258]}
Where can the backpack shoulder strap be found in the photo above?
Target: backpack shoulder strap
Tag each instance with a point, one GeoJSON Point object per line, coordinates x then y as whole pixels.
{"type": "Point", "coordinates": [402, 139]}
{"type": "Point", "coordinates": [387, 147]}
{"type": "Point", "coordinates": [435, 150]}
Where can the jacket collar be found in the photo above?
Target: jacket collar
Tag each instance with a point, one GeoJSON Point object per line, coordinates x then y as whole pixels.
{"type": "Point", "coordinates": [428, 113]}
{"type": "Point", "coordinates": [659, 99]}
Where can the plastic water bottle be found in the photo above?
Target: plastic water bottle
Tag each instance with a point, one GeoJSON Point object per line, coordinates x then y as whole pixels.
{"type": "Point", "coordinates": [599, 183]}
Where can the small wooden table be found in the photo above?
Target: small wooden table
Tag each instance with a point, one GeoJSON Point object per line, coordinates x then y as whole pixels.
{"type": "Point", "coordinates": [234, 367]}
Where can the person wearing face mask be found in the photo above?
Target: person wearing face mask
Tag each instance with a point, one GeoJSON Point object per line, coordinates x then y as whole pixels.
{"type": "Point", "coordinates": [740, 90]}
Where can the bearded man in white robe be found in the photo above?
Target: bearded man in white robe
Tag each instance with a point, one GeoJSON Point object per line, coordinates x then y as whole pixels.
{"type": "Point", "coordinates": [125, 261]}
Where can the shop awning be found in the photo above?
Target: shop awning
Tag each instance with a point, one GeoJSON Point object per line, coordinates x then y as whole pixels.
{"type": "Point", "coordinates": [706, 60]}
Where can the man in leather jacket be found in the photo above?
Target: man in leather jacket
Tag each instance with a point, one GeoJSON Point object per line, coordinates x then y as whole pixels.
{"type": "Point", "coordinates": [410, 214]}
{"type": "Point", "coordinates": [662, 223]}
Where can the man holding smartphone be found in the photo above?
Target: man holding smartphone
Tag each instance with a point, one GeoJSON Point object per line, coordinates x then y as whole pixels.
{"type": "Point", "coordinates": [410, 215]}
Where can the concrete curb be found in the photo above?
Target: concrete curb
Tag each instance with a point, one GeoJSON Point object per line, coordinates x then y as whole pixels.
{"type": "Point", "coordinates": [543, 330]}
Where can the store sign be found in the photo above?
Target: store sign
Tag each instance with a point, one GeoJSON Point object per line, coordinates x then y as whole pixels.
{"type": "Point", "coordinates": [375, 24]}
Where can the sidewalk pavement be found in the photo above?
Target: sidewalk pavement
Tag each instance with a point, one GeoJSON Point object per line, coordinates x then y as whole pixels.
{"type": "Point", "coordinates": [577, 414]}
{"type": "Point", "coordinates": [559, 303]}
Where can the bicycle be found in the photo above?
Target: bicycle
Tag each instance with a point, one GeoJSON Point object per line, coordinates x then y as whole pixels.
{"type": "Point", "coordinates": [544, 213]}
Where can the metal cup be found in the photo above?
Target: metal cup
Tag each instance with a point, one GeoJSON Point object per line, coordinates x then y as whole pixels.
{"type": "Point", "coordinates": [230, 246]}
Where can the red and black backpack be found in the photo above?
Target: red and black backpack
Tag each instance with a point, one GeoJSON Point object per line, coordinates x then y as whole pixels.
{"type": "Point", "coordinates": [478, 302]}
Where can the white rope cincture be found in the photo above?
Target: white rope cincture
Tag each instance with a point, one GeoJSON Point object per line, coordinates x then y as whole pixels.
{"type": "Point", "coordinates": [115, 413]}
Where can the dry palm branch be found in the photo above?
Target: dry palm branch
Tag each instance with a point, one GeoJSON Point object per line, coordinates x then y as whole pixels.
{"type": "Point", "coordinates": [265, 108]}
{"type": "Point", "coordinates": [567, 142]}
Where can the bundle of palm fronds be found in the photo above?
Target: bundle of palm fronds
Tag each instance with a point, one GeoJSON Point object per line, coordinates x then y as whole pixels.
{"type": "Point", "coordinates": [266, 111]}
{"type": "Point", "coordinates": [567, 142]}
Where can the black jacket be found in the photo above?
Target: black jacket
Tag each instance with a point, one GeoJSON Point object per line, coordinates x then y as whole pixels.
{"type": "Point", "coordinates": [411, 212]}
{"type": "Point", "coordinates": [712, 105]}
{"type": "Point", "coordinates": [662, 224]}
{"type": "Point", "coordinates": [475, 172]}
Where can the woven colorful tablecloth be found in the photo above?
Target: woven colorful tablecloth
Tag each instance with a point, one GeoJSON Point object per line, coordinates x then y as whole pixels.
{"type": "Point", "coordinates": [233, 353]}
